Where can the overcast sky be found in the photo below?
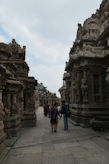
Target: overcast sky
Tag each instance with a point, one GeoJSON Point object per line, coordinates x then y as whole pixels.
{"type": "Point", "coordinates": [48, 29]}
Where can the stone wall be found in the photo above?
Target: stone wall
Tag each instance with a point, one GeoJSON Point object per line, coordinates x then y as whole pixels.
{"type": "Point", "coordinates": [49, 98]}
{"type": "Point", "coordinates": [86, 88]}
{"type": "Point", "coordinates": [17, 100]}
{"type": "Point", "coordinates": [45, 96]}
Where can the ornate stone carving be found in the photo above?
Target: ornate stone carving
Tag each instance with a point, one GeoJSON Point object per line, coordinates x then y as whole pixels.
{"type": "Point", "coordinates": [1, 111]}
{"type": "Point", "coordinates": [84, 88]}
{"type": "Point", "coordinates": [16, 49]}
{"type": "Point", "coordinates": [13, 80]}
{"type": "Point", "coordinates": [15, 109]}
{"type": "Point", "coordinates": [74, 90]}
{"type": "Point", "coordinates": [7, 105]}
{"type": "Point", "coordinates": [90, 51]}
{"type": "Point", "coordinates": [79, 32]}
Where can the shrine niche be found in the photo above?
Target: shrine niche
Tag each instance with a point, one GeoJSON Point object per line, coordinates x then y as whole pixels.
{"type": "Point", "coordinates": [91, 29]}
{"type": "Point", "coordinates": [87, 87]}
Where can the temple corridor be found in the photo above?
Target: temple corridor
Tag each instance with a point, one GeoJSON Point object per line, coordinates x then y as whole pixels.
{"type": "Point", "coordinates": [38, 145]}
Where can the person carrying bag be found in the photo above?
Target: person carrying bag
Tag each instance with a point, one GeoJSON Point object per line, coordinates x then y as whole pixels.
{"type": "Point", "coordinates": [66, 113]}
{"type": "Point", "coordinates": [54, 118]}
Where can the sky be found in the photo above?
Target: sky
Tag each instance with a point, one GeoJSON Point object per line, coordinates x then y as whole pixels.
{"type": "Point", "coordinates": [48, 29]}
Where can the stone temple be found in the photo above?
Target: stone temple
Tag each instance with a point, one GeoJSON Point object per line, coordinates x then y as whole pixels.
{"type": "Point", "coordinates": [17, 100]}
{"type": "Point", "coordinates": [45, 96]}
{"type": "Point", "coordinates": [86, 78]}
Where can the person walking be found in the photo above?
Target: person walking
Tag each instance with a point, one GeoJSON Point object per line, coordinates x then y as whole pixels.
{"type": "Point", "coordinates": [46, 108]}
{"type": "Point", "coordinates": [49, 112]}
{"type": "Point", "coordinates": [65, 111]}
{"type": "Point", "coordinates": [54, 118]}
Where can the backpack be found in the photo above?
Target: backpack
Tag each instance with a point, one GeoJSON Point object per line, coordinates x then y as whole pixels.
{"type": "Point", "coordinates": [68, 113]}
{"type": "Point", "coordinates": [65, 110]}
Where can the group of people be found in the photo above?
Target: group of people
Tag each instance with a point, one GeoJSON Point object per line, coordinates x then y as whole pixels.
{"type": "Point", "coordinates": [53, 113]}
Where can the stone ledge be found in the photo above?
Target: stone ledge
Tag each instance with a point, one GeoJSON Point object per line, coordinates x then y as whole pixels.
{"type": "Point", "coordinates": [107, 137]}
{"type": "Point", "coordinates": [74, 123]}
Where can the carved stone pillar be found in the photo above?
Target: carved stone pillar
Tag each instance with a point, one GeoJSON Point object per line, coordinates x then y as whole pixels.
{"type": "Point", "coordinates": [1, 104]}
{"type": "Point", "coordinates": [73, 91]}
{"type": "Point", "coordinates": [107, 79]}
{"type": "Point", "coordinates": [2, 134]}
{"type": "Point", "coordinates": [21, 103]}
{"type": "Point", "coordinates": [101, 88]}
{"type": "Point", "coordinates": [12, 120]}
{"type": "Point", "coordinates": [92, 88]}
{"type": "Point", "coordinates": [14, 105]}
{"type": "Point", "coordinates": [84, 88]}
{"type": "Point", "coordinates": [29, 116]}
{"type": "Point", "coordinates": [78, 88]}
{"type": "Point", "coordinates": [9, 100]}
{"type": "Point", "coordinates": [8, 105]}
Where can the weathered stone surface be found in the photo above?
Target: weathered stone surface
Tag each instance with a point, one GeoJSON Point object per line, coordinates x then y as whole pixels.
{"type": "Point", "coordinates": [16, 92]}
{"type": "Point", "coordinates": [87, 73]}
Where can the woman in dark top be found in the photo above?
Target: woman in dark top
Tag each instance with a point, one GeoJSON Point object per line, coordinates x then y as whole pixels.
{"type": "Point", "coordinates": [54, 118]}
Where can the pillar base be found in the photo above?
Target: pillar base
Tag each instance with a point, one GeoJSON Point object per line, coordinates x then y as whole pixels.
{"type": "Point", "coordinates": [12, 125]}
{"type": "Point", "coordinates": [2, 145]}
{"type": "Point", "coordinates": [29, 119]}
{"type": "Point", "coordinates": [100, 122]}
{"type": "Point", "coordinates": [88, 115]}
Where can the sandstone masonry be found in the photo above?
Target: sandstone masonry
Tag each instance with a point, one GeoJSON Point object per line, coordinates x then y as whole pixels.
{"type": "Point", "coordinates": [17, 100]}
{"type": "Point", "coordinates": [86, 80]}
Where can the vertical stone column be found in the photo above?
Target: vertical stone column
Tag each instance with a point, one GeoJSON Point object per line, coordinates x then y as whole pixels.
{"type": "Point", "coordinates": [12, 120]}
{"type": "Point", "coordinates": [107, 79]}
{"type": "Point", "coordinates": [29, 116]}
{"type": "Point", "coordinates": [1, 112]}
{"type": "Point", "coordinates": [21, 103]}
{"type": "Point", "coordinates": [84, 88]}
{"type": "Point", "coordinates": [2, 134]}
{"type": "Point", "coordinates": [14, 105]}
{"type": "Point", "coordinates": [73, 91]}
{"type": "Point", "coordinates": [92, 88]}
{"type": "Point", "coordinates": [8, 105]}
{"type": "Point", "coordinates": [8, 114]}
{"type": "Point", "coordinates": [100, 84]}
{"type": "Point", "coordinates": [8, 100]}
{"type": "Point", "coordinates": [78, 88]}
